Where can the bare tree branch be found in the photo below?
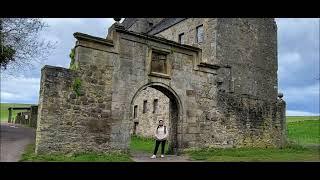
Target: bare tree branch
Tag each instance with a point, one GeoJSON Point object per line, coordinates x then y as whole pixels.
{"type": "Point", "coordinates": [20, 43]}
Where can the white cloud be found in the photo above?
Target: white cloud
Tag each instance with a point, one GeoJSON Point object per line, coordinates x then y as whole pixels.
{"type": "Point", "coordinates": [293, 27]}
{"type": "Point", "coordinates": [292, 58]}
{"type": "Point", "coordinates": [20, 89]}
{"type": "Point", "coordinates": [8, 95]}
{"type": "Point", "coordinates": [300, 113]}
{"type": "Point", "coordinates": [289, 63]}
{"type": "Point", "coordinates": [299, 93]}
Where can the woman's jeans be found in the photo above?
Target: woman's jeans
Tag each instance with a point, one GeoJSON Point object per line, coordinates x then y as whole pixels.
{"type": "Point", "coordinates": [163, 143]}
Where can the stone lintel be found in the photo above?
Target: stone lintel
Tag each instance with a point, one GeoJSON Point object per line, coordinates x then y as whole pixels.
{"type": "Point", "coordinates": [86, 37]}
{"type": "Point", "coordinates": [211, 66]}
{"type": "Point", "coordinates": [160, 75]}
{"type": "Point", "coordinates": [19, 108]}
{"type": "Point", "coordinates": [54, 68]}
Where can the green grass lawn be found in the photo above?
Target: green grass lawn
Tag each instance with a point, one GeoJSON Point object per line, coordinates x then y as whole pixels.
{"type": "Point", "coordinates": [144, 144]}
{"type": "Point", "coordinates": [137, 144]}
{"type": "Point", "coordinates": [4, 110]}
{"type": "Point", "coordinates": [30, 156]}
{"type": "Point", "coordinates": [294, 153]}
{"type": "Point", "coordinates": [304, 131]}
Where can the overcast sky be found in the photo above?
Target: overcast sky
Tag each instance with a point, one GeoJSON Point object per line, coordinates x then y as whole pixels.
{"type": "Point", "coordinates": [298, 59]}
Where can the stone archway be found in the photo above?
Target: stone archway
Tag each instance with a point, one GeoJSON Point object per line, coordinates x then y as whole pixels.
{"type": "Point", "coordinates": [90, 107]}
{"type": "Point", "coordinates": [175, 113]}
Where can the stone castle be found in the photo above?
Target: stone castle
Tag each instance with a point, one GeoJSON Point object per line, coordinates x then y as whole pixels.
{"type": "Point", "coordinates": [213, 80]}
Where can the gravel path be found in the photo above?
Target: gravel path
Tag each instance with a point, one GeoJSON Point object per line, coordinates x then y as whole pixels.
{"type": "Point", "coordinates": [14, 139]}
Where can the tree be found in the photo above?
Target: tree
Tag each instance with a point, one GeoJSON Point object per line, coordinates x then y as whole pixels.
{"type": "Point", "coordinates": [20, 43]}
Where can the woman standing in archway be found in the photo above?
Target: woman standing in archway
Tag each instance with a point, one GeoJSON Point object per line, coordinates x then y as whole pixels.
{"type": "Point", "coordinates": [161, 134]}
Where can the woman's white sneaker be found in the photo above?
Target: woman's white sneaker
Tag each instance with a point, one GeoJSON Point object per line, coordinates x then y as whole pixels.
{"type": "Point", "coordinates": [162, 156]}
{"type": "Point", "coordinates": [153, 157]}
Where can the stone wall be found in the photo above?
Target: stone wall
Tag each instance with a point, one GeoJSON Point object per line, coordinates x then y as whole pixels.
{"type": "Point", "coordinates": [247, 45]}
{"type": "Point", "coordinates": [148, 121]}
{"type": "Point", "coordinates": [141, 25]}
{"type": "Point", "coordinates": [18, 118]}
{"type": "Point", "coordinates": [188, 27]}
{"type": "Point", "coordinates": [68, 122]}
{"type": "Point", "coordinates": [30, 113]}
{"type": "Point", "coordinates": [76, 120]}
{"type": "Point", "coordinates": [33, 116]}
{"type": "Point", "coordinates": [22, 118]}
{"type": "Point", "coordinates": [242, 121]}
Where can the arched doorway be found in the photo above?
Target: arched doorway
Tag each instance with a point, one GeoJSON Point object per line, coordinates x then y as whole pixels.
{"type": "Point", "coordinates": [175, 110]}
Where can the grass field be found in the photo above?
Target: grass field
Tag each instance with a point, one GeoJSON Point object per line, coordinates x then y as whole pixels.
{"type": "Point", "coordinates": [4, 110]}
{"type": "Point", "coordinates": [304, 132]}
{"type": "Point", "coordinates": [30, 156]}
{"type": "Point", "coordinates": [144, 144]}
{"type": "Point", "coordinates": [301, 118]}
{"type": "Point", "coordinates": [294, 153]}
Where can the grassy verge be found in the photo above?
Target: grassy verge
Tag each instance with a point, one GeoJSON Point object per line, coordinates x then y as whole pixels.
{"type": "Point", "coordinates": [142, 144]}
{"type": "Point", "coordinates": [30, 156]}
{"type": "Point", "coordinates": [294, 153]}
{"type": "Point", "coordinates": [304, 132]}
{"type": "Point", "coordinates": [301, 118]}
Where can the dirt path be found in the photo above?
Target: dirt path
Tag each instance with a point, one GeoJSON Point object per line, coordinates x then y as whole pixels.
{"type": "Point", "coordinates": [14, 139]}
{"type": "Point", "coordinates": [145, 157]}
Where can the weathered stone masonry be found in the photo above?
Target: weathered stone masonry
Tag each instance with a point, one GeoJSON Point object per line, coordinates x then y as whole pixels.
{"type": "Point", "coordinates": [222, 96]}
{"type": "Point", "coordinates": [147, 122]}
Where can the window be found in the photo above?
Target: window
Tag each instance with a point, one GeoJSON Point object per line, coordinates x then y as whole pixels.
{"type": "Point", "coordinates": [181, 38]}
{"type": "Point", "coordinates": [135, 109]}
{"type": "Point", "coordinates": [135, 128]}
{"type": "Point", "coordinates": [159, 63]}
{"type": "Point", "coordinates": [145, 106]}
{"type": "Point", "coordinates": [200, 35]}
{"type": "Point", "coordinates": [155, 105]}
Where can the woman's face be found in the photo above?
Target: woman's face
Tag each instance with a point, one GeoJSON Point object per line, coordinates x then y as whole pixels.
{"type": "Point", "coordinates": [161, 123]}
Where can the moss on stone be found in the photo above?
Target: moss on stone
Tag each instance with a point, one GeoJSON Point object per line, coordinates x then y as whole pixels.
{"type": "Point", "coordinates": [76, 86]}
{"type": "Point", "coordinates": [73, 65]}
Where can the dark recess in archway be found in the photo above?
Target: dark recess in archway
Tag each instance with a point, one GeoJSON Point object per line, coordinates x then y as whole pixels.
{"type": "Point", "coordinates": [173, 115]}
